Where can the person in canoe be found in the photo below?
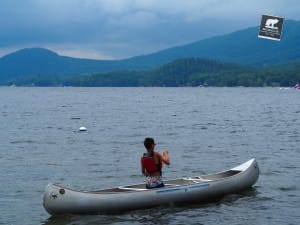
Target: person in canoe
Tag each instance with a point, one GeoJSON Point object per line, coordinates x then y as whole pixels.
{"type": "Point", "coordinates": [151, 164]}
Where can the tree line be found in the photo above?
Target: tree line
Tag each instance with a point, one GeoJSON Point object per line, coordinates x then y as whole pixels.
{"type": "Point", "coordinates": [182, 72]}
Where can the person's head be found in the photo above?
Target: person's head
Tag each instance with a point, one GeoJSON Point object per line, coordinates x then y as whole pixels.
{"type": "Point", "coordinates": [149, 143]}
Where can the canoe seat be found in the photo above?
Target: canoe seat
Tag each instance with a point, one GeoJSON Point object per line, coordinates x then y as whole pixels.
{"type": "Point", "coordinates": [133, 189]}
{"type": "Point", "coordinates": [172, 185]}
{"type": "Point", "coordinates": [197, 179]}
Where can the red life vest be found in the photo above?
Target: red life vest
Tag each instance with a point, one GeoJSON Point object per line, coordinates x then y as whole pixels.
{"type": "Point", "coordinates": [150, 165]}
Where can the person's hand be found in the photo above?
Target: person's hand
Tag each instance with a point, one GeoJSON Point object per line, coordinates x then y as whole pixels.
{"type": "Point", "coordinates": [165, 153]}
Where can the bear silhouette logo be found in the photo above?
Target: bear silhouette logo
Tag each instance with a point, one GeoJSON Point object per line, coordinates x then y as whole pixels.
{"type": "Point", "coordinates": [271, 22]}
{"type": "Point", "coordinates": [271, 27]}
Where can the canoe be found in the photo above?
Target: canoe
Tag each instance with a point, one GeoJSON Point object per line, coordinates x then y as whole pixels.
{"type": "Point", "coordinates": [60, 200]}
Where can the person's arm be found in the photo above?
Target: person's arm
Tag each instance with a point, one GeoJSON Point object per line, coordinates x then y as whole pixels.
{"type": "Point", "coordinates": [165, 157]}
{"type": "Point", "coordinates": [142, 167]}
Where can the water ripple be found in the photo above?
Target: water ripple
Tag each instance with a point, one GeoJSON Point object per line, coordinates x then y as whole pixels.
{"type": "Point", "coordinates": [205, 129]}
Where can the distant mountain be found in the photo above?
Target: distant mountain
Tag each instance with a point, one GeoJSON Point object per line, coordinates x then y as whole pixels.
{"type": "Point", "coordinates": [39, 61]}
{"type": "Point", "coordinates": [243, 47]}
{"type": "Point", "coordinates": [43, 62]}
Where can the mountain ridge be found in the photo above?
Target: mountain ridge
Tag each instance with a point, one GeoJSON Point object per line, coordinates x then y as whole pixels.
{"type": "Point", "coordinates": [242, 47]}
{"type": "Point", "coordinates": [234, 47]}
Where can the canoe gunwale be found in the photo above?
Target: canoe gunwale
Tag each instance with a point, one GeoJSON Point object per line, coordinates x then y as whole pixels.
{"type": "Point", "coordinates": [179, 182]}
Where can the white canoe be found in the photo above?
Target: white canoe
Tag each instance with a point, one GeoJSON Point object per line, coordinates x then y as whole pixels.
{"type": "Point", "coordinates": [59, 200]}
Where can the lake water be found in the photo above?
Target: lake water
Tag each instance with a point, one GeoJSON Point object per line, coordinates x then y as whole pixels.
{"type": "Point", "coordinates": [206, 130]}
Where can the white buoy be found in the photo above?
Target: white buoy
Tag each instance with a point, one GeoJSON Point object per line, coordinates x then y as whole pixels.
{"type": "Point", "coordinates": [82, 129]}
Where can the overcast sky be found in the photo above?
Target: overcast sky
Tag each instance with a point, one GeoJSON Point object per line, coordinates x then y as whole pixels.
{"type": "Point", "coordinates": [116, 29]}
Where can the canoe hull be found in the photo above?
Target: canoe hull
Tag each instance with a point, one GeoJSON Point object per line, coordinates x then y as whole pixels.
{"type": "Point", "coordinates": [59, 200]}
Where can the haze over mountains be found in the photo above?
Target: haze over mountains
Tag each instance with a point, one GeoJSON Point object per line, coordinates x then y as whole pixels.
{"type": "Point", "coordinates": [241, 47]}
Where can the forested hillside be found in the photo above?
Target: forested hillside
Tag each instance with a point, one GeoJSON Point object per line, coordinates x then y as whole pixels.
{"type": "Point", "coordinates": [183, 72]}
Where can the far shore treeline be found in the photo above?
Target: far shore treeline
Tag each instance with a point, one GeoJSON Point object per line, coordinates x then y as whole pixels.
{"type": "Point", "coordinates": [181, 72]}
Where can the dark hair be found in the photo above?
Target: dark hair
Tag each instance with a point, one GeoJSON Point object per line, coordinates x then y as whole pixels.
{"type": "Point", "coordinates": [148, 142]}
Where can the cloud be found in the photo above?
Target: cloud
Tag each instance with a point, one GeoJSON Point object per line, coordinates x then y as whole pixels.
{"type": "Point", "coordinates": [124, 28]}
